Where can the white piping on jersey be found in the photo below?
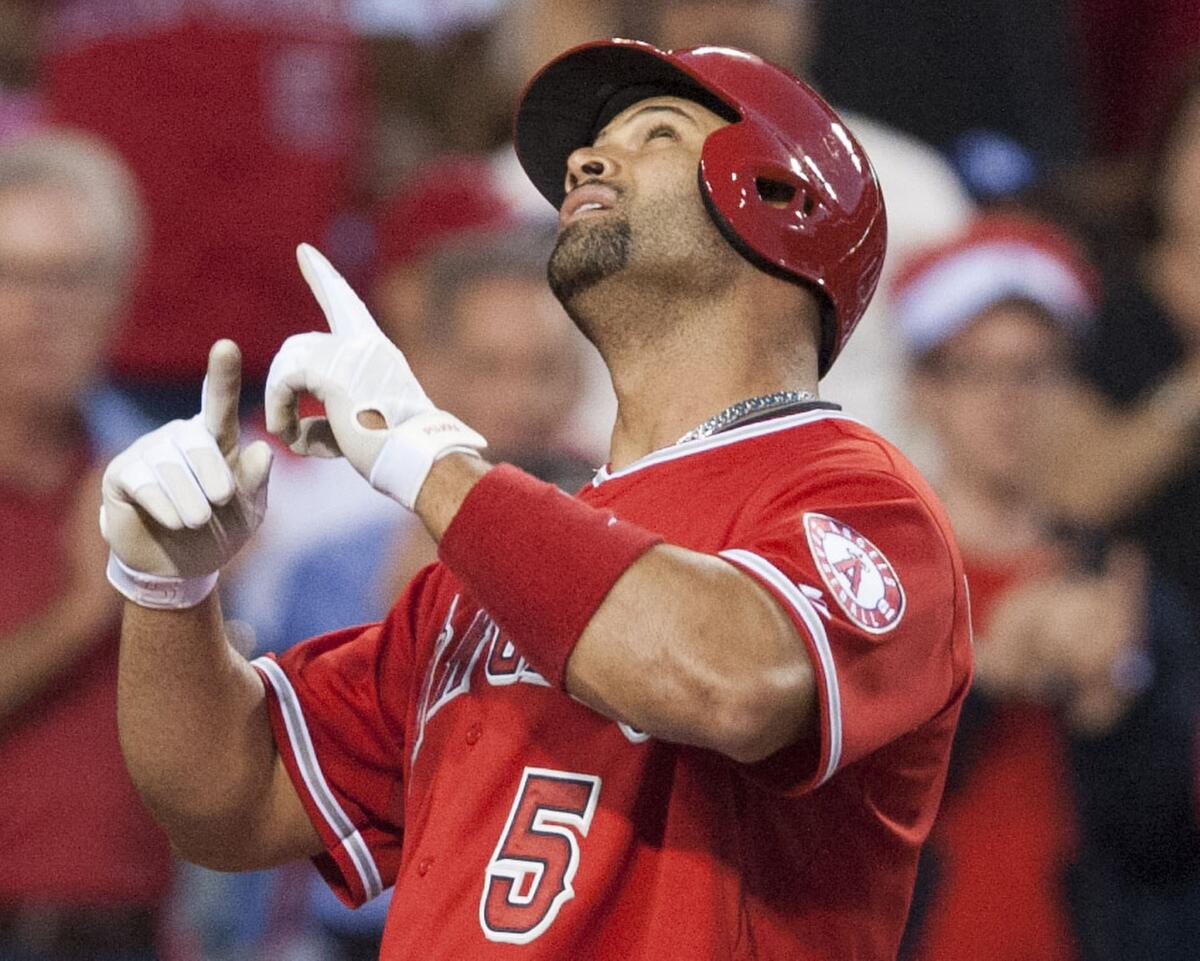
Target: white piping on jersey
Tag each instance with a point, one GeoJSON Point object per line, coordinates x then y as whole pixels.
{"type": "Point", "coordinates": [816, 630]}
{"type": "Point", "coordinates": [690, 447]}
{"type": "Point", "coordinates": [314, 779]}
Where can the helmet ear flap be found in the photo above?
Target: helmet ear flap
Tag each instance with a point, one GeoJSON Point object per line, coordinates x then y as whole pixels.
{"type": "Point", "coordinates": [764, 194]}
{"type": "Point", "coordinates": [781, 193]}
{"type": "Point", "coordinates": [792, 210]}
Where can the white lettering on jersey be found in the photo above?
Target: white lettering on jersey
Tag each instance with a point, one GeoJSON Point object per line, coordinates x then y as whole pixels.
{"type": "Point", "coordinates": [505, 666]}
{"type": "Point", "coordinates": [457, 654]}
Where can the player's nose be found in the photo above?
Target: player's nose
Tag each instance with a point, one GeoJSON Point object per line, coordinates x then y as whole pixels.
{"type": "Point", "coordinates": [588, 163]}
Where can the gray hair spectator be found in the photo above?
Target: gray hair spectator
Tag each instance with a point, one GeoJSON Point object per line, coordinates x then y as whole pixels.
{"type": "Point", "coordinates": [73, 242]}
{"type": "Point", "coordinates": [83, 868]}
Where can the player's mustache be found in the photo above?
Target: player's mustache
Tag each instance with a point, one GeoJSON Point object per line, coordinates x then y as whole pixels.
{"type": "Point", "coordinates": [615, 188]}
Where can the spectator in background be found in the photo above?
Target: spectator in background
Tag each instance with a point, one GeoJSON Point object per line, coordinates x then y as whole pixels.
{"type": "Point", "coordinates": [497, 349]}
{"type": "Point", "coordinates": [240, 121]}
{"type": "Point", "coordinates": [83, 868]}
{"type": "Point", "coordinates": [1066, 831]}
{"type": "Point", "coordinates": [459, 195]}
{"type": "Point", "coordinates": [1125, 457]}
{"type": "Point", "coordinates": [925, 202]}
{"type": "Point", "coordinates": [453, 196]}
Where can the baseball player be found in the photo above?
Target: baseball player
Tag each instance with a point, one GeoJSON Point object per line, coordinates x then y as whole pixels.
{"type": "Point", "coordinates": [701, 710]}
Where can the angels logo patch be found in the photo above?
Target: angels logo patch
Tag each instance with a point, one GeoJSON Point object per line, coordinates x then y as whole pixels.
{"type": "Point", "coordinates": [857, 574]}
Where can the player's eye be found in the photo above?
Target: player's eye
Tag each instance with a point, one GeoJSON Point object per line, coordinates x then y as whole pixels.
{"type": "Point", "coordinates": [661, 130]}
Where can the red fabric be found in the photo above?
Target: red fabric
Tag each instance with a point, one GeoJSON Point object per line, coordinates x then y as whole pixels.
{"type": "Point", "coordinates": [1004, 839]}
{"type": "Point", "coordinates": [451, 197]}
{"type": "Point", "coordinates": [1133, 60]}
{"type": "Point", "coordinates": [73, 830]}
{"type": "Point", "coordinates": [427, 748]}
{"type": "Point", "coordinates": [240, 122]}
{"type": "Point", "coordinates": [514, 544]}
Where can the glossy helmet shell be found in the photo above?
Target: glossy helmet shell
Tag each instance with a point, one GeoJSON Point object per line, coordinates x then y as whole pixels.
{"type": "Point", "coordinates": [786, 182]}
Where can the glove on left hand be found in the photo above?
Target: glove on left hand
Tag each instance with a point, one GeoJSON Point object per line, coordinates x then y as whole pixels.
{"type": "Point", "coordinates": [356, 372]}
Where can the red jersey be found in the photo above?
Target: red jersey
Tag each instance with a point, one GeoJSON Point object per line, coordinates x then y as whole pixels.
{"type": "Point", "coordinates": [431, 756]}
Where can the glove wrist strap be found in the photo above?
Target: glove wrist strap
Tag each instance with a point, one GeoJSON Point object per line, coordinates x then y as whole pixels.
{"type": "Point", "coordinates": [412, 448]}
{"type": "Point", "coordinates": [158, 591]}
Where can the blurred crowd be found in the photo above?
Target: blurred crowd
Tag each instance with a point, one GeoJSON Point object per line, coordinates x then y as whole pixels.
{"type": "Point", "coordinates": [1034, 347]}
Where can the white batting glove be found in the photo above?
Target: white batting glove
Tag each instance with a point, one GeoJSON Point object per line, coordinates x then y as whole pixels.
{"type": "Point", "coordinates": [181, 500]}
{"type": "Point", "coordinates": [355, 370]}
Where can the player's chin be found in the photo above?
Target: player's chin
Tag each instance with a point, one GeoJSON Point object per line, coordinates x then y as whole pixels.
{"type": "Point", "coordinates": [587, 251]}
{"type": "Point", "coordinates": [591, 238]}
{"type": "Point", "coordinates": [579, 227]}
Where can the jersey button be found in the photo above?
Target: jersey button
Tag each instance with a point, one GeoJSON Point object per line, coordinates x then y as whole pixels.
{"type": "Point", "coordinates": [474, 733]}
{"type": "Point", "coordinates": [423, 867]}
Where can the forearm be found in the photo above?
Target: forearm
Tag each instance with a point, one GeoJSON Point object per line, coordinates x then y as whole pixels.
{"type": "Point", "coordinates": [1111, 461]}
{"type": "Point", "coordinates": [194, 729]}
{"type": "Point", "coordinates": [683, 646]}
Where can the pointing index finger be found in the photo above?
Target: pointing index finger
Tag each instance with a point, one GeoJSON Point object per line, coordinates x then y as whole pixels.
{"type": "Point", "coordinates": [344, 310]}
{"type": "Point", "coordinates": [222, 389]}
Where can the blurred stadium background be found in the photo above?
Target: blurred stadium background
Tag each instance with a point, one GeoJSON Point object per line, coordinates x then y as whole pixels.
{"type": "Point", "coordinates": [1034, 346]}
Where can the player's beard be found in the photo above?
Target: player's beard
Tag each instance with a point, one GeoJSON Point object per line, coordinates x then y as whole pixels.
{"type": "Point", "coordinates": [587, 253]}
{"type": "Point", "coordinates": [667, 249]}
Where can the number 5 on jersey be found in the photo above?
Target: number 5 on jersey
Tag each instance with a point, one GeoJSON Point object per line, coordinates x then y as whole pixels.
{"type": "Point", "coordinates": [529, 877]}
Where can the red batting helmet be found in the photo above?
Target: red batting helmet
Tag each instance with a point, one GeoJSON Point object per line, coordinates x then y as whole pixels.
{"type": "Point", "coordinates": [788, 185]}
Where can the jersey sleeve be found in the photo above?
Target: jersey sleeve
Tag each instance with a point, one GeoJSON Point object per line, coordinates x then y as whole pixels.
{"type": "Point", "coordinates": [874, 587]}
{"type": "Point", "coordinates": [337, 705]}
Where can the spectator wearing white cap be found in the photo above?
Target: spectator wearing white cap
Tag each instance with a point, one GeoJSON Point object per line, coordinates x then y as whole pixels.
{"type": "Point", "coordinates": [1065, 834]}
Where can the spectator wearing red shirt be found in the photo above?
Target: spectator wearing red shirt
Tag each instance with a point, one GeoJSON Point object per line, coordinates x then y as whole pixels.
{"type": "Point", "coordinates": [1064, 834]}
{"type": "Point", "coordinates": [83, 869]}
{"type": "Point", "coordinates": [240, 121]}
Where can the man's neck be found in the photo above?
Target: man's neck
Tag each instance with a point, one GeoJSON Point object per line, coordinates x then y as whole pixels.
{"type": "Point", "coordinates": [679, 355]}
{"type": "Point", "coordinates": [661, 395]}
